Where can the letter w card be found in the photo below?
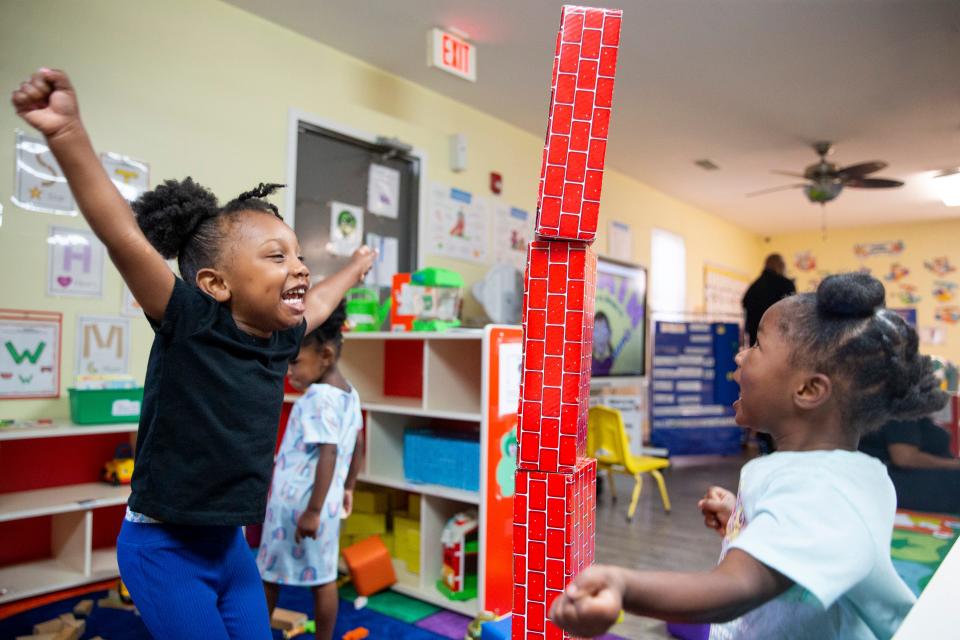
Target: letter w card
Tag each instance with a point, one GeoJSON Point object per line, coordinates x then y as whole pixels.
{"type": "Point", "coordinates": [29, 354]}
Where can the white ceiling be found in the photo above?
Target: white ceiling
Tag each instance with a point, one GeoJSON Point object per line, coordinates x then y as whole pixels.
{"type": "Point", "coordinates": [748, 84]}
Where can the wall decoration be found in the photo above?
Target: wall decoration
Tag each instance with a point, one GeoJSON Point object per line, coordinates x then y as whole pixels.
{"type": "Point", "coordinates": [619, 241]}
{"type": "Point", "coordinates": [723, 290]}
{"type": "Point", "coordinates": [383, 191]}
{"type": "Point", "coordinates": [29, 354]}
{"type": "Point", "coordinates": [458, 224]}
{"type": "Point", "coordinates": [909, 315]}
{"type": "Point", "coordinates": [512, 231]}
{"type": "Point", "coordinates": [907, 294]}
{"type": "Point", "coordinates": [103, 345]}
{"type": "Point", "coordinates": [387, 261]}
{"type": "Point", "coordinates": [805, 261]}
{"type": "Point", "coordinates": [932, 335]}
{"type": "Point", "coordinates": [940, 266]}
{"type": "Point", "coordinates": [131, 177]}
{"type": "Point", "coordinates": [75, 263]}
{"type": "Point", "coordinates": [130, 308]}
{"type": "Point", "coordinates": [897, 272]}
{"type": "Point", "coordinates": [944, 290]}
{"type": "Point", "coordinates": [40, 185]}
{"type": "Point", "coordinates": [868, 249]}
{"type": "Point", "coordinates": [346, 228]}
{"type": "Point", "coordinates": [949, 314]}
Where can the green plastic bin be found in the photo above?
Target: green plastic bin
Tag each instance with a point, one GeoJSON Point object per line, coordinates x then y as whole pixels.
{"type": "Point", "coordinates": [105, 406]}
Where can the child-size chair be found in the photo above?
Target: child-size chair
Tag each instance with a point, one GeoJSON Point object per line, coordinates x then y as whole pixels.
{"type": "Point", "coordinates": [607, 442]}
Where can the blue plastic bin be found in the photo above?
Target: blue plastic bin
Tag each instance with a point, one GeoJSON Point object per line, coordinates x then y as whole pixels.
{"type": "Point", "coordinates": [449, 458]}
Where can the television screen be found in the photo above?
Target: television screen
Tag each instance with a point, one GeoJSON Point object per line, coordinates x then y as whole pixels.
{"type": "Point", "coordinates": [619, 321]}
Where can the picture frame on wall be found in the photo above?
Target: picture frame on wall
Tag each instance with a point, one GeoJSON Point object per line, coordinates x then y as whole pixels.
{"type": "Point", "coordinates": [620, 319]}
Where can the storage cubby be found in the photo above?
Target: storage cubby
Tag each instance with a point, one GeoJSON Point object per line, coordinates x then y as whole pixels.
{"type": "Point", "coordinates": [453, 376]}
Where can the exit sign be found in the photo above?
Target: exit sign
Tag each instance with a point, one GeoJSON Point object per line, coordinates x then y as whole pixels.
{"type": "Point", "coordinates": [452, 53]}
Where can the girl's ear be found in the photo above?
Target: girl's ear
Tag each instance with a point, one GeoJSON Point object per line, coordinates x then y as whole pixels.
{"type": "Point", "coordinates": [815, 390]}
{"type": "Point", "coordinates": [211, 282]}
{"type": "Point", "coordinates": [328, 354]}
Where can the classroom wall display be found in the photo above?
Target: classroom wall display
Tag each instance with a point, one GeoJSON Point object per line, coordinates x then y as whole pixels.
{"type": "Point", "coordinates": [129, 307]}
{"type": "Point", "coordinates": [619, 321]}
{"type": "Point", "coordinates": [75, 263]}
{"type": "Point", "coordinates": [805, 261]}
{"type": "Point", "coordinates": [909, 315]}
{"type": "Point", "coordinates": [40, 184]}
{"type": "Point", "coordinates": [940, 266]}
{"type": "Point", "coordinates": [458, 224]}
{"type": "Point", "coordinates": [103, 345]}
{"type": "Point", "coordinates": [346, 228]}
{"type": "Point", "coordinates": [692, 389]}
{"type": "Point", "coordinates": [867, 249]}
{"type": "Point", "coordinates": [387, 262]}
{"type": "Point", "coordinates": [29, 354]}
{"type": "Point", "coordinates": [512, 230]}
{"type": "Point", "coordinates": [723, 290]}
{"type": "Point", "coordinates": [131, 177]}
{"type": "Point", "coordinates": [383, 191]}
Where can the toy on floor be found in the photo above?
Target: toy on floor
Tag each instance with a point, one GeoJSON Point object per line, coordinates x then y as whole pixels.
{"type": "Point", "coordinates": [119, 470]}
{"type": "Point", "coordinates": [307, 626]}
{"type": "Point", "coordinates": [286, 620]}
{"type": "Point", "coordinates": [475, 628]}
{"type": "Point", "coordinates": [66, 627]}
{"type": "Point", "coordinates": [356, 634]}
{"type": "Point", "coordinates": [458, 578]}
{"type": "Point", "coordinates": [369, 564]}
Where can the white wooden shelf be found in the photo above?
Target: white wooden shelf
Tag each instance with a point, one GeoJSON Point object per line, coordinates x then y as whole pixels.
{"type": "Point", "coordinates": [409, 584]}
{"type": "Point", "coordinates": [438, 490]}
{"type": "Point", "coordinates": [61, 429]}
{"type": "Point", "coordinates": [43, 576]}
{"type": "Point", "coordinates": [452, 334]}
{"type": "Point", "coordinates": [43, 502]}
{"type": "Point", "coordinates": [465, 416]}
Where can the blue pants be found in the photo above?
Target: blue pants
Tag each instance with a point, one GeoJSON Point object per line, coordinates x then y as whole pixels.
{"type": "Point", "coordinates": [193, 582]}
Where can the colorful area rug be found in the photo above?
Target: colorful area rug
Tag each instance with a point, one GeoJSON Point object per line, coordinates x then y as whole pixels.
{"type": "Point", "coordinates": [920, 543]}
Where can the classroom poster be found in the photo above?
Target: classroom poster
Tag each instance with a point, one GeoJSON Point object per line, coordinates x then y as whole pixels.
{"type": "Point", "coordinates": [723, 290]}
{"type": "Point", "coordinates": [75, 263]}
{"type": "Point", "coordinates": [619, 241]}
{"type": "Point", "coordinates": [346, 228]}
{"type": "Point", "coordinates": [619, 321]}
{"type": "Point", "coordinates": [383, 191]}
{"type": "Point", "coordinates": [387, 262]}
{"type": "Point", "coordinates": [130, 308]}
{"type": "Point", "coordinates": [131, 177]}
{"type": "Point", "coordinates": [458, 224]}
{"type": "Point", "coordinates": [512, 231]}
{"type": "Point", "coordinates": [29, 354]}
{"type": "Point", "coordinates": [103, 345]}
{"type": "Point", "coordinates": [40, 185]}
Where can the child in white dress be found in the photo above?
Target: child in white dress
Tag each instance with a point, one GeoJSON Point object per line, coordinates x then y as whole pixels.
{"type": "Point", "coordinates": [313, 478]}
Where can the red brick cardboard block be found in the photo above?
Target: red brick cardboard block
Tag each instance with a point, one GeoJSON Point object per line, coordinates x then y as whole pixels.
{"type": "Point", "coordinates": [558, 306]}
{"type": "Point", "coordinates": [578, 122]}
{"type": "Point", "coordinates": [553, 540]}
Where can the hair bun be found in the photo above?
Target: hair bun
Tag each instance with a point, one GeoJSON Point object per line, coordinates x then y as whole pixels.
{"type": "Point", "coordinates": [850, 295]}
{"type": "Point", "coordinates": [169, 214]}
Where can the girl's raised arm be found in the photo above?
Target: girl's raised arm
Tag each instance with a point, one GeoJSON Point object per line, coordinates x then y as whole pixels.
{"type": "Point", "coordinates": [48, 102]}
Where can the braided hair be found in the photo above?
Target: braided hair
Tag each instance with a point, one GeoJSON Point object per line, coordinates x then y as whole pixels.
{"type": "Point", "coordinates": [330, 332]}
{"type": "Point", "coordinates": [844, 331]}
{"type": "Point", "coordinates": [183, 220]}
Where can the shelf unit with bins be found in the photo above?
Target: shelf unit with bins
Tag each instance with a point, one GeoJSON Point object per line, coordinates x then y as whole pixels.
{"type": "Point", "coordinates": [73, 560]}
{"type": "Point", "coordinates": [445, 380]}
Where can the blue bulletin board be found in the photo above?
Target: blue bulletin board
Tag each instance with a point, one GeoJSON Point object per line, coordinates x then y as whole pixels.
{"type": "Point", "coordinates": [692, 389]}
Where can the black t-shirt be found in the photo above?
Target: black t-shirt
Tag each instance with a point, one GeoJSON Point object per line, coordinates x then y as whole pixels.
{"type": "Point", "coordinates": [211, 408]}
{"type": "Point", "coordinates": [924, 434]}
{"type": "Point", "coordinates": [766, 291]}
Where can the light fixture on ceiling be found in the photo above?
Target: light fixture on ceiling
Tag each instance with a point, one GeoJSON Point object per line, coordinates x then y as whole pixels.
{"type": "Point", "coordinates": [947, 185]}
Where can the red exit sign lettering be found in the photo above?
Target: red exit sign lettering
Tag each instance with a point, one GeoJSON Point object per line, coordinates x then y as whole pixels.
{"type": "Point", "coordinates": [453, 54]}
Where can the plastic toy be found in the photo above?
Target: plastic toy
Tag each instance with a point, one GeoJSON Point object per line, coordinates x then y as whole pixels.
{"type": "Point", "coordinates": [426, 300]}
{"type": "Point", "coordinates": [475, 628]}
{"type": "Point", "coordinates": [356, 634]}
{"type": "Point", "coordinates": [119, 470]}
{"type": "Point", "coordinates": [123, 593]}
{"type": "Point", "coordinates": [365, 312]}
{"type": "Point", "coordinates": [458, 577]}
{"type": "Point", "coordinates": [369, 565]}
{"type": "Point", "coordinates": [307, 626]}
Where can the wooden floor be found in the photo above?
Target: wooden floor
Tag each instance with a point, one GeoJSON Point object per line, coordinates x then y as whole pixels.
{"type": "Point", "coordinates": [657, 540]}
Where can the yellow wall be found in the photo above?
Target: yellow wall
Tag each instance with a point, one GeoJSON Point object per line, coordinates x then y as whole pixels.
{"type": "Point", "coordinates": [197, 87]}
{"type": "Point", "coordinates": [922, 241]}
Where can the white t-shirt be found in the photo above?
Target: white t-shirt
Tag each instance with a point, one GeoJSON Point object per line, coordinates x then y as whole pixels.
{"type": "Point", "coordinates": [823, 519]}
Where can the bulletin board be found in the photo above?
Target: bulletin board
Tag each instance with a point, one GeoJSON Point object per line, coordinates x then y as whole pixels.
{"type": "Point", "coordinates": [350, 185]}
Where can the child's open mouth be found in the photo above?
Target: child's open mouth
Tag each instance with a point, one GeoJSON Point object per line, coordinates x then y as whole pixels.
{"type": "Point", "coordinates": [293, 298]}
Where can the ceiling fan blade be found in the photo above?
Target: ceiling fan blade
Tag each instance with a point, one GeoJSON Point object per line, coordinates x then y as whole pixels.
{"type": "Point", "coordinates": [872, 183]}
{"type": "Point", "coordinates": [861, 169]}
{"type": "Point", "coordinates": [774, 189]}
{"type": "Point", "coordinates": [792, 174]}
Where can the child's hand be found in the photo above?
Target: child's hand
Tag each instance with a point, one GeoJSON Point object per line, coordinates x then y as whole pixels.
{"type": "Point", "coordinates": [717, 506]}
{"type": "Point", "coordinates": [307, 525]}
{"type": "Point", "coordinates": [347, 503]}
{"type": "Point", "coordinates": [591, 603]}
{"type": "Point", "coordinates": [363, 259]}
{"type": "Point", "coordinates": [47, 102]}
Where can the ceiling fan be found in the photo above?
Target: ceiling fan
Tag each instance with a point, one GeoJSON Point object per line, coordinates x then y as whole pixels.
{"type": "Point", "coordinates": [825, 180]}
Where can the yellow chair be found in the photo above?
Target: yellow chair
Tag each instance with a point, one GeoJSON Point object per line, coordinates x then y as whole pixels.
{"type": "Point", "coordinates": [607, 442]}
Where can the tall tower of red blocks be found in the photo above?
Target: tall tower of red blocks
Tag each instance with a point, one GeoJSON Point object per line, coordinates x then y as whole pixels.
{"type": "Point", "coordinates": [554, 504]}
